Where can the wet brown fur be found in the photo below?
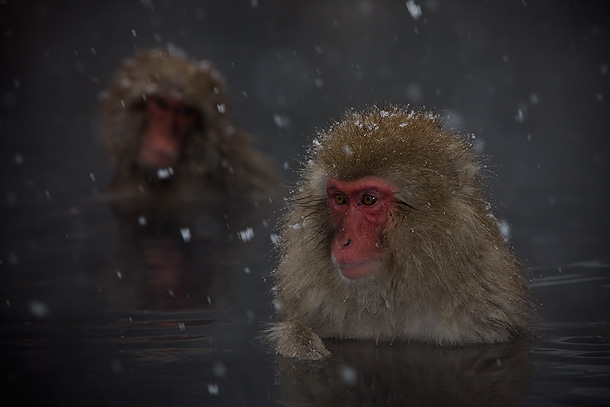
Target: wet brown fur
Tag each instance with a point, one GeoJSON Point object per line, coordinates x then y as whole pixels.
{"type": "Point", "coordinates": [216, 157]}
{"type": "Point", "coordinates": [451, 279]}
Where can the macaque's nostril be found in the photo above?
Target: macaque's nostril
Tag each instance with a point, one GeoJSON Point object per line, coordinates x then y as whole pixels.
{"type": "Point", "coordinates": [349, 241]}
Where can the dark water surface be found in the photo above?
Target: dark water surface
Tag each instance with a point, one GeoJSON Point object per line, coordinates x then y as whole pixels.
{"type": "Point", "coordinates": [117, 310]}
{"type": "Point", "coordinates": [158, 309]}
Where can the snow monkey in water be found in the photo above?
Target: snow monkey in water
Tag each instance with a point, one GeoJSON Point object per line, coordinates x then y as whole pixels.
{"type": "Point", "coordinates": [166, 127]}
{"type": "Point", "coordinates": [388, 237]}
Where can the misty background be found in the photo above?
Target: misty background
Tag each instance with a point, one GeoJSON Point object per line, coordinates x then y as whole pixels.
{"type": "Point", "coordinates": [530, 79]}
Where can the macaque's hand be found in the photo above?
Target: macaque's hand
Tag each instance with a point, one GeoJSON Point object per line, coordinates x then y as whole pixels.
{"type": "Point", "coordinates": [295, 340]}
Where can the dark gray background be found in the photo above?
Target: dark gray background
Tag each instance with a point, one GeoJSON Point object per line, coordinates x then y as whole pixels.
{"type": "Point", "coordinates": [292, 67]}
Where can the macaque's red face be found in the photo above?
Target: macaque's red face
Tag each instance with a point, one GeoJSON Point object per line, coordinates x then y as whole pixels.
{"type": "Point", "coordinates": [359, 212]}
{"type": "Point", "coordinates": [168, 123]}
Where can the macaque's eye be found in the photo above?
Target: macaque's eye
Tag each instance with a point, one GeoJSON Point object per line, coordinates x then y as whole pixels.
{"type": "Point", "coordinates": [186, 111]}
{"type": "Point", "coordinates": [160, 103]}
{"type": "Point", "coordinates": [369, 200]}
{"type": "Point", "coordinates": [340, 199]}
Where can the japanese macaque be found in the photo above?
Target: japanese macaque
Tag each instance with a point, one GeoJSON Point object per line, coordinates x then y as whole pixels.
{"type": "Point", "coordinates": [388, 237]}
{"type": "Point", "coordinates": [165, 125]}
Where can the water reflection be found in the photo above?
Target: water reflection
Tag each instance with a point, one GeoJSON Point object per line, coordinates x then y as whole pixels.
{"type": "Point", "coordinates": [177, 272]}
{"type": "Point", "coordinates": [184, 293]}
{"type": "Point", "coordinates": [178, 254]}
{"type": "Point", "coordinates": [162, 263]}
{"type": "Point", "coordinates": [409, 374]}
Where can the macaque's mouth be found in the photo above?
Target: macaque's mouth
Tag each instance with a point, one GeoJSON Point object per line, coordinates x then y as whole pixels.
{"type": "Point", "coordinates": [155, 157]}
{"type": "Point", "coordinates": [356, 271]}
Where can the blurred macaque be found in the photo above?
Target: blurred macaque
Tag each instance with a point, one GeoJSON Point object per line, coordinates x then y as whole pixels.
{"type": "Point", "coordinates": [388, 237]}
{"type": "Point", "coordinates": [166, 128]}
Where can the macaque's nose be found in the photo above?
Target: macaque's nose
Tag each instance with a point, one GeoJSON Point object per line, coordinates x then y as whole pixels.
{"type": "Point", "coordinates": [343, 239]}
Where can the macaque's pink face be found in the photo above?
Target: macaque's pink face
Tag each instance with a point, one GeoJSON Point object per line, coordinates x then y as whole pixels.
{"type": "Point", "coordinates": [168, 123]}
{"type": "Point", "coordinates": [359, 212]}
